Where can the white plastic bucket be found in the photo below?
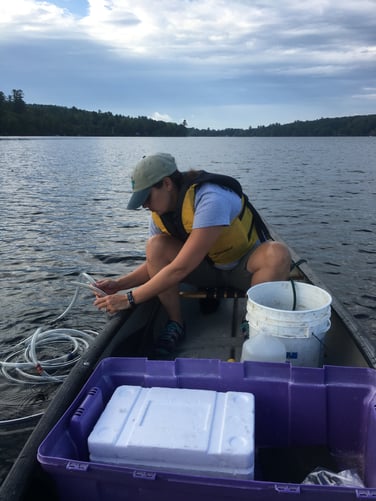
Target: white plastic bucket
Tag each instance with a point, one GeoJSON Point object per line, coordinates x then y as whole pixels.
{"type": "Point", "coordinates": [297, 313]}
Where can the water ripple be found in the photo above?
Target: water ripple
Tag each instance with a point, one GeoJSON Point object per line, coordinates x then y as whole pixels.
{"type": "Point", "coordinates": [63, 211]}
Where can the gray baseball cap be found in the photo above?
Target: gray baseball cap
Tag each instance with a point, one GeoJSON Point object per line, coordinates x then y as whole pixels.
{"type": "Point", "coordinates": [149, 171]}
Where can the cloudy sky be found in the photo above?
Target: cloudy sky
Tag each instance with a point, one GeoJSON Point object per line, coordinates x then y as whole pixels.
{"type": "Point", "coordinates": [213, 63]}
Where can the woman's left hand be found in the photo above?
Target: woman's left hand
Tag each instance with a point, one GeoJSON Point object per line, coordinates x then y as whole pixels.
{"type": "Point", "coordinates": [113, 303]}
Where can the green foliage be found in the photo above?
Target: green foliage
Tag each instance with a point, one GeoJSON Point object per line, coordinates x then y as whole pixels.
{"type": "Point", "coordinates": [360, 125]}
{"type": "Point", "coordinates": [20, 119]}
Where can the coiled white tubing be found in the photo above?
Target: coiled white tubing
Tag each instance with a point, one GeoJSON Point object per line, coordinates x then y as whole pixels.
{"type": "Point", "coordinates": [15, 365]}
{"type": "Point", "coordinates": [25, 364]}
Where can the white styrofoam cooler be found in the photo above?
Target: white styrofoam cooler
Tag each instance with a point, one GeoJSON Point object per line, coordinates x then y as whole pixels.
{"type": "Point", "coordinates": [177, 430]}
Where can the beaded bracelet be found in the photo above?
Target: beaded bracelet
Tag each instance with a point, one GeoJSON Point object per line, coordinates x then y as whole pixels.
{"type": "Point", "coordinates": [131, 301]}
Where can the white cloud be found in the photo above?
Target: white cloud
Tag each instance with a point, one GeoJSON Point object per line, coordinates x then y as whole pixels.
{"type": "Point", "coordinates": [27, 19]}
{"type": "Point", "coordinates": [164, 117]}
{"type": "Point", "coordinates": [215, 32]}
{"type": "Point", "coordinates": [190, 56]}
{"type": "Point", "coordinates": [367, 93]}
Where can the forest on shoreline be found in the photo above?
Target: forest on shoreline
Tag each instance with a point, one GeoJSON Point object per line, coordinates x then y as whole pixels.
{"type": "Point", "coordinates": [18, 118]}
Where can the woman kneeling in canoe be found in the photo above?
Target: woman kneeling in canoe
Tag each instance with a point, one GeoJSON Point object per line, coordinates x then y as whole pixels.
{"type": "Point", "coordinates": [204, 231]}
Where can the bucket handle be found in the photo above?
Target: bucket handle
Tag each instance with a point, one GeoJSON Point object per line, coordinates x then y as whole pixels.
{"type": "Point", "coordinates": [324, 330]}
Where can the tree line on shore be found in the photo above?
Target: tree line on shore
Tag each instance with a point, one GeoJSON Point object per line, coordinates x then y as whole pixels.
{"type": "Point", "coordinates": [17, 118]}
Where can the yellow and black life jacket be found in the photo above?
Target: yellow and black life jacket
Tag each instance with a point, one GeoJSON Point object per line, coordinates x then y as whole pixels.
{"type": "Point", "coordinates": [235, 240]}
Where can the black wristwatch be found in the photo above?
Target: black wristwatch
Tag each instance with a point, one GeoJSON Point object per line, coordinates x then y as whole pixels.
{"type": "Point", "coordinates": [132, 302]}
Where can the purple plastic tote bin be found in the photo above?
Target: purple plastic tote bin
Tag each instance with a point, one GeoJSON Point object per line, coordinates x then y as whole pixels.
{"type": "Point", "coordinates": [304, 418]}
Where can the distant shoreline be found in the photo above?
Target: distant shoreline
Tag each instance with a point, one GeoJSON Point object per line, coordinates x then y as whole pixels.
{"type": "Point", "coordinates": [17, 118]}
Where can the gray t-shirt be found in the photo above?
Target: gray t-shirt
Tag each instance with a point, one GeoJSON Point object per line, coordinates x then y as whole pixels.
{"type": "Point", "coordinates": [214, 206]}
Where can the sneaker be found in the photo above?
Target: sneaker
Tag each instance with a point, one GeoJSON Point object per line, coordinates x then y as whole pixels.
{"type": "Point", "coordinates": [170, 337]}
{"type": "Point", "coordinates": [244, 327]}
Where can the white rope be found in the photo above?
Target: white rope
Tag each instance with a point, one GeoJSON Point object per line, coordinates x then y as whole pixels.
{"type": "Point", "coordinates": [28, 364]}
{"type": "Point", "coordinates": [31, 362]}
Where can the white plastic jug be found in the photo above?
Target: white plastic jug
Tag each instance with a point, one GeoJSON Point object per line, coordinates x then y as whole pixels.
{"type": "Point", "coordinates": [262, 348]}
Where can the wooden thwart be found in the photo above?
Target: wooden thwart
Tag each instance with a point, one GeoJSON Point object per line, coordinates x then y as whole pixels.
{"type": "Point", "coordinates": [228, 292]}
{"type": "Point", "coordinates": [225, 293]}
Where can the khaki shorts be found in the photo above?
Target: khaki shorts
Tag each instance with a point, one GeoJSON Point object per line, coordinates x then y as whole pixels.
{"type": "Point", "coordinates": [208, 276]}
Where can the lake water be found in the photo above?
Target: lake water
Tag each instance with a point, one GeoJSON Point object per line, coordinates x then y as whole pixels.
{"type": "Point", "coordinates": [63, 211]}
